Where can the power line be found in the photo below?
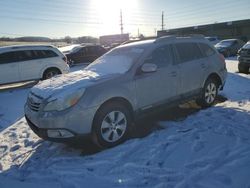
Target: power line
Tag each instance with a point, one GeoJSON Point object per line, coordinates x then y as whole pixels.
{"type": "Point", "coordinates": [91, 11]}
{"type": "Point", "coordinates": [172, 16]}
{"type": "Point", "coordinates": [87, 16]}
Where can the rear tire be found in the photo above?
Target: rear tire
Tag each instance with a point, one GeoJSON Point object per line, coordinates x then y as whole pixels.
{"type": "Point", "coordinates": [209, 93]}
{"type": "Point", "coordinates": [243, 69]}
{"type": "Point", "coordinates": [71, 62]}
{"type": "Point", "coordinates": [51, 72]}
{"type": "Point", "coordinates": [111, 125]}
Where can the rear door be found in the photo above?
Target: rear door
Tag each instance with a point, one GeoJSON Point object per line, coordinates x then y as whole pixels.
{"type": "Point", "coordinates": [158, 87]}
{"type": "Point", "coordinates": [9, 67]}
{"type": "Point", "coordinates": [192, 67]}
{"type": "Point", "coordinates": [33, 63]}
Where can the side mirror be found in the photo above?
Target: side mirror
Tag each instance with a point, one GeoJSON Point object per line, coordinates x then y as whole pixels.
{"type": "Point", "coordinates": [149, 67]}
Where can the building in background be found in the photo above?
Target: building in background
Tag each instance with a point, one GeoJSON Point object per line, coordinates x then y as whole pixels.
{"type": "Point", "coordinates": [108, 40]}
{"type": "Point", "coordinates": [234, 29]}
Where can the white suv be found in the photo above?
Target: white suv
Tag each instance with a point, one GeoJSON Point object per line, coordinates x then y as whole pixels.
{"type": "Point", "coordinates": [22, 63]}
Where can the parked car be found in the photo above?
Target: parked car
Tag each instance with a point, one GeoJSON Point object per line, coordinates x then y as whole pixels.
{"type": "Point", "coordinates": [213, 40]}
{"type": "Point", "coordinates": [229, 47]}
{"type": "Point", "coordinates": [123, 85]}
{"type": "Point", "coordinates": [244, 58]}
{"type": "Point", "coordinates": [85, 53]}
{"type": "Point", "coordinates": [30, 62]}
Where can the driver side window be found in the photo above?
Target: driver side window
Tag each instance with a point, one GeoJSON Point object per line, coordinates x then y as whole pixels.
{"type": "Point", "coordinates": [161, 56]}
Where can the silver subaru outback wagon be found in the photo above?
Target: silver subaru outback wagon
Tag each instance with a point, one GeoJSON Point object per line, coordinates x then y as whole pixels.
{"type": "Point", "coordinates": [103, 100]}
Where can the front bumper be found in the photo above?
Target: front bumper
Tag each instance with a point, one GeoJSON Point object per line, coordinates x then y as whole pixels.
{"type": "Point", "coordinates": [43, 133]}
{"type": "Point", "coordinates": [61, 126]}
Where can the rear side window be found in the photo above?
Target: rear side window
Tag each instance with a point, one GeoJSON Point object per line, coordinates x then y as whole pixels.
{"type": "Point", "coordinates": [25, 55]}
{"type": "Point", "coordinates": [40, 54]}
{"type": "Point", "coordinates": [206, 50]}
{"type": "Point", "coordinates": [8, 57]}
{"type": "Point", "coordinates": [50, 53]}
{"type": "Point", "coordinates": [188, 52]}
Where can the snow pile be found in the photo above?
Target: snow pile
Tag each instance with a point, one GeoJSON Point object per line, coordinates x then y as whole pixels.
{"type": "Point", "coordinates": [11, 106]}
{"type": "Point", "coordinates": [210, 148]}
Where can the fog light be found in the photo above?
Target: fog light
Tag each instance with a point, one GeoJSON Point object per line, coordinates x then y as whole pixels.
{"type": "Point", "coordinates": [59, 134]}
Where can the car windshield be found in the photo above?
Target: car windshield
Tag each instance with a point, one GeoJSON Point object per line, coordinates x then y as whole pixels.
{"type": "Point", "coordinates": [117, 61]}
{"type": "Point", "coordinates": [225, 43]}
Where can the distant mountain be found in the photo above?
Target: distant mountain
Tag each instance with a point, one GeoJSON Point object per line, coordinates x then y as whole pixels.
{"type": "Point", "coordinates": [33, 39]}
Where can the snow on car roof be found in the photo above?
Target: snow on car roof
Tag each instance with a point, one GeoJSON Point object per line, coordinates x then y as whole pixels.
{"type": "Point", "coordinates": [69, 48]}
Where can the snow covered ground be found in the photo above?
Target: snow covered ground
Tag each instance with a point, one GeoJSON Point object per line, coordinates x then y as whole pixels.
{"type": "Point", "coordinates": [209, 148]}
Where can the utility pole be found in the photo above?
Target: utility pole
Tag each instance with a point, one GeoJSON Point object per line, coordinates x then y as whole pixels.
{"type": "Point", "coordinates": [121, 24]}
{"type": "Point", "coordinates": [162, 21]}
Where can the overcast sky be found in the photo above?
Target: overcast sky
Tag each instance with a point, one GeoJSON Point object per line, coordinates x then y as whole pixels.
{"type": "Point", "coordinates": [59, 18]}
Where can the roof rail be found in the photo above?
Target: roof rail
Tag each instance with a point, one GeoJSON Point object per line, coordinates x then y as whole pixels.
{"type": "Point", "coordinates": [197, 36]}
{"type": "Point", "coordinates": [172, 37]}
{"type": "Point", "coordinates": [165, 38]}
{"type": "Point", "coordinates": [28, 46]}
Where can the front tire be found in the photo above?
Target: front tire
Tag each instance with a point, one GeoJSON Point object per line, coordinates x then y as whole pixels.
{"type": "Point", "coordinates": [111, 125]}
{"type": "Point", "coordinates": [209, 93]}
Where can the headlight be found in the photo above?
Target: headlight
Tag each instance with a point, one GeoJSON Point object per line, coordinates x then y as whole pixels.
{"type": "Point", "coordinates": [64, 101]}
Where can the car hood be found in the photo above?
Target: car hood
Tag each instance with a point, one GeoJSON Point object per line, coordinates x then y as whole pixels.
{"type": "Point", "coordinates": [68, 83]}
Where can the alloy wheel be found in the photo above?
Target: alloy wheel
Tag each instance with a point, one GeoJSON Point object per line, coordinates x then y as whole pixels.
{"type": "Point", "coordinates": [113, 126]}
{"type": "Point", "coordinates": [210, 93]}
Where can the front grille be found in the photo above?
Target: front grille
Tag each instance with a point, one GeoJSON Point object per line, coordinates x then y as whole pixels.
{"type": "Point", "coordinates": [34, 102]}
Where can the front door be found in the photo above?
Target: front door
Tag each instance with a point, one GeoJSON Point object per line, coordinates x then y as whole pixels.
{"type": "Point", "coordinates": [158, 87]}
